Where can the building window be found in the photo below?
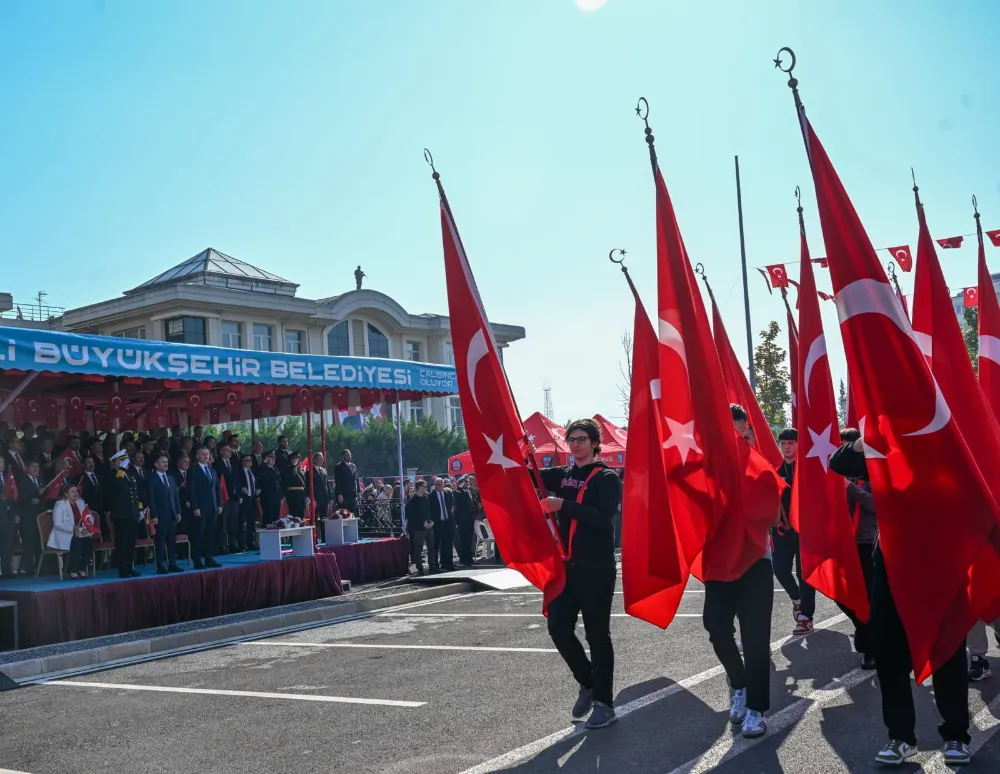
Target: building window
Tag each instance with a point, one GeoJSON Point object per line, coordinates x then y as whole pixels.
{"type": "Point", "coordinates": [413, 351]}
{"type": "Point", "coordinates": [131, 333]}
{"type": "Point", "coordinates": [416, 410]}
{"type": "Point", "coordinates": [338, 340]}
{"type": "Point", "coordinates": [293, 342]}
{"type": "Point", "coordinates": [261, 337]}
{"type": "Point", "coordinates": [455, 413]}
{"type": "Point", "coordinates": [378, 344]}
{"type": "Point", "coordinates": [231, 334]}
{"type": "Point", "coordinates": [186, 330]}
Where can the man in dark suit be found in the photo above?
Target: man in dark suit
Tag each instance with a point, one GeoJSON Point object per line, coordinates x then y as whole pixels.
{"type": "Point", "coordinates": [282, 454]}
{"type": "Point", "coordinates": [270, 490]}
{"type": "Point", "coordinates": [180, 474]}
{"type": "Point", "coordinates": [443, 512]}
{"type": "Point", "coordinates": [125, 513]}
{"type": "Point", "coordinates": [206, 505]}
{"type": "Point", "coordinates": [293, 484]}
{"type": "Point", "coordinates": [165, 513]}
{"type": "Point", "coordinates": [249, 497]}
{"type": "Point", "coordinates": [345, 477]}
{"type": "Point", "coordinates": [226, 540]}
{"type": "Point", "coordinates": [320, 485]}
{"type": "Point", "coordinates": [16, 462]}
{"type": "Point", "coordinates": [257, 457]}
{"type": "Point", "coordinates": [92, 487]}
{"type": "Point", "coordinates": [31, 503]}
{"type": "Point", "coordinates": [467, 507]}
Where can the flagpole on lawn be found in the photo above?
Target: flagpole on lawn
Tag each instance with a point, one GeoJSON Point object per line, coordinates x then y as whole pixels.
{"type": "Point", "coordinates": [746, 287]}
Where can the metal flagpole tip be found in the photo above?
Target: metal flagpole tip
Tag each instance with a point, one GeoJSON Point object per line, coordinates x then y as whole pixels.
{"type": "Point", "coordinates": [798, 198]}
{"type": "Point", "coordinates": [621, 253]}
{"type": "Point", "coordinates": [430, 162]}
{"type": "Point", "coordinates": [642, 111]}
{"type": "Point", "coordinates": [699, 268]}
{"type": "Point", "coordinates": [975, 206]}
{"type": "Point", "coordinates": [779, 63]}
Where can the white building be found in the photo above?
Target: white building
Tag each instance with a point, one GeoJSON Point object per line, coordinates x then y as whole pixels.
{"type": "Point", "coordinates": [215, 299]}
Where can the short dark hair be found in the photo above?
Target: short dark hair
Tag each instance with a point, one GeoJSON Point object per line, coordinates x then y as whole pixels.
{"type": "Point", "coordinates": [590, 427]}
{"type": "Point", "coordinates": [739, 413]}
{"type": "Point", "coordinates": [345, 451]}
{"type": "Point", "coordinates": [788, 434]}
{"type": "Point", "coordinates": [159, 456]}
{"type": "Point", "coordinates": [850, 434]}
{"type": "Point", "coordinates": [282, 438]}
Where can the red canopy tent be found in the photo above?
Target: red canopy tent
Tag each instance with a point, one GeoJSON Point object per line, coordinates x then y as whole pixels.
{"type": "Point", "coordinates": [613, 440]}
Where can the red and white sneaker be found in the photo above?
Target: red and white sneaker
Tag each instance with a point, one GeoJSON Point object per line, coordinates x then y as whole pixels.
{"type": "Point", "coordinates": [796, 611]}
{"type": "Point", "coordinates": [803, 626]}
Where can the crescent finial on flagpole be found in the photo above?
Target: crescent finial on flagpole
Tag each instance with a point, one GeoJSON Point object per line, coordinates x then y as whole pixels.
{"type": "Point", "coordinates": [793, 82]}
{"type": "Point", "coordinates": [620, 261]}
{"type": "Point", "coordinates": [699, 268]}
{"type": "Point", "coordinates": [642, 111]}
{"type": "Point", "coordinates": [430, 162]}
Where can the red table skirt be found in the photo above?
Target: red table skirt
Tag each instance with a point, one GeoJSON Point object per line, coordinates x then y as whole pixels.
{"type": "Point", "coordinates": [371, 560]}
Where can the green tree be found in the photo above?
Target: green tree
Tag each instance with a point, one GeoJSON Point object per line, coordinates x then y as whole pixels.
{"type": "Point", "coordinates": [970, 330]}
{"type": "Point", "coordinates": [842, 403]}
{"type": "Point", "coordinates": [772, 377]}
{"type": "Point", "coordinates": [426, 445]}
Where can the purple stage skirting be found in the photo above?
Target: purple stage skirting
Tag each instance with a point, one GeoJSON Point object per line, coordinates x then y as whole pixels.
{"type": "Point", "coordinates": [371, 560]}
{"type": "Point", "coordinates": [99, 609]}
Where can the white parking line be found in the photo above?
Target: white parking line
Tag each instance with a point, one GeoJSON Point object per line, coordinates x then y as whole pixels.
{"type": "Point", "coordinates": [984, 725]}
{"type": "Point", "coordinates": [538, 593]}
{"type": "Point", "coordinates": [532, 749]}
{"type": "Point", "coordinates": [398, 647]}
{"type": "Point", "coordinates": [729, 746]}
{"type": "Point", "coordinates": [509, 615]}
{"type": "Point", "coordinates": [245, 694]}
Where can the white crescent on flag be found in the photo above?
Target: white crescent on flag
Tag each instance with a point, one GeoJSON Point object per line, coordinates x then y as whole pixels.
{"type": "Point", "coordinates": [478, 349]}
{"type": "Point", "coordinates": [817, 350]}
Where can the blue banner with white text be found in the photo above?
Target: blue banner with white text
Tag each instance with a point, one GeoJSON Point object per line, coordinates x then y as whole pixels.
{"type": "Point", "coordinates": [28, 349]}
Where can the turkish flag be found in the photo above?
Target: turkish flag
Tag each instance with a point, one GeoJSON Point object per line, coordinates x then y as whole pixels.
{"type": "Point", "coordinates": [707, 463]}
{"type": "Point", "coordinates": [195, 408]}
{"type": "Point", "coordinates": [75, 463]}
{"type": "Point", "coordinates": [51, 409]}
{"type": "Point", "coordinates": [822, 262]}
{"type": "Point", "coordinates": [902, 256]}
{"type": "Point", "coordinates": [53, 489]}
{"type": "Point", "coordinates": [655, 566]}
{"type": "Point", "coordinates": [116, 408]}
{"type": "Point", "coordinates": [777, 275]}
{"type": "Point", "coordinates": [738, 389]}
{"type": "Point", "coordinates": [829, 552]}
{"type": "Point", "coordinates": [318, 404]}
{"type": "Point", "coordinates": [919, 464]}
{"type": "Point", "coordinates": [268, 398]}
{"type": "Point", "coordinates": [76, 413]}
{"type": "Point", "coordinates": [970, 297]}
{"type": "Point", "coordinates": [494, 429]}
{"type": "Point", "coordinates": [36, 412]}
{"type": "Point", "coordinates": [233, 405]}
{"type": "Point", "coordinates": [10, 486]}
{"type": "Point", "coordinates": [301, 403]}
{"type": "Point", "coordinates": [793, 364]}
{"type": "Point", "coordinates": [989, 336]}
{"type": "Point", "coordinates": [994, 237]}
{"type": "Point", "coordinates": [951, 242]}
{"type": "Point", "coordinates": [214, 415]}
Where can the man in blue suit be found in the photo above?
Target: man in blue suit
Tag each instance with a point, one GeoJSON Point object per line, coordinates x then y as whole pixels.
{"type": "Point", "coordinates": [206, 505]}
{"type": "Point", "coordinates": [165, 513]}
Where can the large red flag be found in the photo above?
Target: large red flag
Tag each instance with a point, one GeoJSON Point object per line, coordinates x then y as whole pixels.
{"type": "Point", "coordinates": [935, 511]}
{"type": "Point", "coordinates": [494, 429]}
{"type": "Point", "coordinates": [654, 569]}
{"type": "Point", "coordinates": [707, 469]}
{"type": "Point", "coordinates": [829, 553]}
{"type": "Point", "coordinates": [989, 335]}
{"type": "Point", "coordinates": [738, 388]}
{"type": "Point", "coordinates": [793, 361]}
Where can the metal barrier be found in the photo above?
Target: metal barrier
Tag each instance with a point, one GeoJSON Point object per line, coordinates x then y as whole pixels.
{"type": "Point", "coordinates": [379, 518]}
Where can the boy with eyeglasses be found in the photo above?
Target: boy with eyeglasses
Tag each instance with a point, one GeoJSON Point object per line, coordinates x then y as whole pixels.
{"type": "Point", "coordinates": [585, 497]}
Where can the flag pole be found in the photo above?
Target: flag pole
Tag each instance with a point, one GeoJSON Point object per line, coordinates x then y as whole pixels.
{"type": "Point", "coordinates": [532, 463]}
{"type": "Point", "coordinates": [746, 286]}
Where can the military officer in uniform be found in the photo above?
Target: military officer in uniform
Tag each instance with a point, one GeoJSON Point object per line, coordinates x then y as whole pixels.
{"type": "Point", "coordinates": [126, 511]}
{"type": "Point", "coordinates": [293, 482]}
{"type": "Point", "coordinates": [270, 490]}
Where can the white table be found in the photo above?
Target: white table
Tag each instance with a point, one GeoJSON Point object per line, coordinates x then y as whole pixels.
{"type": "Point", "coordinates": [270, 542]}
{"type": "Point", "coordinates": [339, 532]}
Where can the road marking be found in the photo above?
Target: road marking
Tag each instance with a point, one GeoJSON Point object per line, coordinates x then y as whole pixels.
{"type": "Point", "coordinates": [245, 694]}
{"type": "Point", "coordinates": [401, 647]}
{"type": "Point", "coordinates": [984, 725]}
{"type": "Point", "coordinates": [538, 593]}
{"type": "Point", "coordinates": [729, 746]}
{"type": "Point", "coordinates": [509, 615]}
{"type": "Point", "coordinates": [532, 749]}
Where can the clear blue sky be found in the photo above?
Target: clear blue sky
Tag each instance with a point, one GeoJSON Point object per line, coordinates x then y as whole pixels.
{"type": "Point", "coordinates": [135, 134]}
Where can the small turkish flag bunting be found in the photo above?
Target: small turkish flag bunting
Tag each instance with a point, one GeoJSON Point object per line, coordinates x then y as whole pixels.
{"type": "Point", "coordinates": [994, 237]}
{"type": "Point", "coordinates": [823, 262]}
{"type": "Point", "coordinates": [970, 297]}
{"type": "Point", "coordinates": [778, 276]}
{"type": "Point", "coordinates": [902, 256]}
{"type": "Point", "coordinates": [951, 242]}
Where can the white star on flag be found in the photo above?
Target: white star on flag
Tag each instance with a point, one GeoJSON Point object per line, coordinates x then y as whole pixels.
{"type": "Point", "coordinates": [870, 453]}
{"type": "Point", "coordinates": [821, 448]}
{"type": "Point", "coordinates": [681, 438]}
{"type": "Point", "coordinates": [496, 453]}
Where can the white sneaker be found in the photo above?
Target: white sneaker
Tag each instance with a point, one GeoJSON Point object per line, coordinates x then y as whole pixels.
{"type": "Point", "coordinates": [956, 753]}
{"type": "Point", "coordinates": [738, 707]}
{"type": "Point", "coordinates": [894, 753]}
{"type": "Point", "coordinates": [754, 725]}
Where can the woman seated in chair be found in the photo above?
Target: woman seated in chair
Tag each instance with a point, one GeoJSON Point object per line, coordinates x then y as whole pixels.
{"type": "Point", "coordinates": [73, 530]}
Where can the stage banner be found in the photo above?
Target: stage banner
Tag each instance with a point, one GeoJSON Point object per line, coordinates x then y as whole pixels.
{"type": "Point", "coordinates": [28, 349]}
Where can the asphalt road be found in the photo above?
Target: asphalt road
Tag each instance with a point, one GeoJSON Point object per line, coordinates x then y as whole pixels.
{"type": "Point", "coordinates": [468, 685]}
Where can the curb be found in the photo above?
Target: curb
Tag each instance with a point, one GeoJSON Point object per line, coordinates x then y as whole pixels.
{"type": "Point", "coordinates": [163, 646]}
